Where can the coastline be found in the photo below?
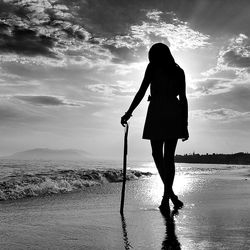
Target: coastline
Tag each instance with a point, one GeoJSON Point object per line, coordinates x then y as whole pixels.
{"type": "Point", "coordinates": [24, 185]}
{"type": "Point", "coordinates": [237, 158]}
{"type": "Point", "coordinates": [215, 216]}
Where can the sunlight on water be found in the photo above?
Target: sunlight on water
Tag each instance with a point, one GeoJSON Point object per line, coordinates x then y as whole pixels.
{"type": "Point", "coordinates": [155, 191]}
{"type": "Point", "coordinates": [148, 166]}
{"type": "Point", "coordinates": [182, 185]}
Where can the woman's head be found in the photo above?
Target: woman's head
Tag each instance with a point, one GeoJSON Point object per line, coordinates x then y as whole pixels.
{"type": "Point", "coordinates": [160, 53]}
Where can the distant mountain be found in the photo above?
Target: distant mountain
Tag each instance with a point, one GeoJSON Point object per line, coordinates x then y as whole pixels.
{"type": "Point", "coordinates": [50, 154]}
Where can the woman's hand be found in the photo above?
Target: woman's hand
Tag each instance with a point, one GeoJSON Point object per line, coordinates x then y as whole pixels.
{"type": "Point", "coordinates": [125, 118]}
{"type": "Point", "coordinates": [185, 134]}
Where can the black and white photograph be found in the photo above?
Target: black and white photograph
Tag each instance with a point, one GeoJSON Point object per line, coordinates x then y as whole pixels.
{"type": "Point", "coordinates": [124, 124]}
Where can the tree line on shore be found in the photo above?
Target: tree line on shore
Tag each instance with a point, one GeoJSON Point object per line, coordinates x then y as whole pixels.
{"type": "Point", "coordinates": [237, 158]}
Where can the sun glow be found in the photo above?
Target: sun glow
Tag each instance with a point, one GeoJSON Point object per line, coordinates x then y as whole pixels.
{"type": "Point", "coordinates": [182, 184]}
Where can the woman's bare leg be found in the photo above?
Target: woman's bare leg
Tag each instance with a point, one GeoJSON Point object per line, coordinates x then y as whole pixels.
{"type": "Point", "coordinates": [157, 153]}
{"type": "Point", "coordinates": [169, 153]}
{"type": "Point", "coordinates": [166, 168]}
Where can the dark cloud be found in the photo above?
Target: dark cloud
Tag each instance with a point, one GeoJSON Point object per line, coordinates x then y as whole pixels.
{"type": "Point", "coordinates": [27, 42]}
{"type": "Point", "coordinates": [34, 28]}
{"type": "Point", "coordinates": [232, 59]}
{"type": "Point", "coordinates": [44, 100]}
{"type": "Point", "coordinates": [52, 28]}
{"type": "Point", "coordinates": [18, 33]}
{"type": "Point", "coordinates": [208, 17]}
{"type": "Point", "coordinates": [48, 28]}
{"type": "Point", "coordinates": [7, 8]}
{"type": "Point", "coordinates": [237, 53]}
{"type": "Point", "coordinates": [4, 28]}
{"type": "Point", "coordinates": [117, 16]}
{"type": "Point", "coordinates": [107, 18]}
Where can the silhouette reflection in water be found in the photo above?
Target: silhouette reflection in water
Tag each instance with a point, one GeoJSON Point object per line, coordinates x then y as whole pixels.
{"type": "Point", "coordinates": [170, 241]}
{"type": "Point", "coordinates": [167, 115]}
{"type": "Point", "coordinates": [127, 244]}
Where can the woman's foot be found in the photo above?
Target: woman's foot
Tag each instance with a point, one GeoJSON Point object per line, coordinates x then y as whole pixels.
{"type": "Point", "coordinates": [165, 209]}
{"type": "Point", "coordinates": [164, 203]}
{"type": "Point", "coordinates": [177, 203]}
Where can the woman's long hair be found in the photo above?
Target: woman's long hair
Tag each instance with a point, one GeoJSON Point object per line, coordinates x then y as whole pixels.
{"type": "Point", "coordinates": [159, 54]}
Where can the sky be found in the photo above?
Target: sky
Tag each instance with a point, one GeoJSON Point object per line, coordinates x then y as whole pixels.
{"type": "Point", "coordinates": [69, 71]}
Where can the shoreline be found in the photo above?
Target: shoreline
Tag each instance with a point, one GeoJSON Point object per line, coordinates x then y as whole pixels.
{"type": "Point", "coordinates": [91, 220]}
{"type": "Point", "coordinates": [26, 185]}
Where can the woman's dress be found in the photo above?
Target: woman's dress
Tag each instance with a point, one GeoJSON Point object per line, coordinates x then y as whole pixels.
{"type": "Point", "coordinates": [164, 115]}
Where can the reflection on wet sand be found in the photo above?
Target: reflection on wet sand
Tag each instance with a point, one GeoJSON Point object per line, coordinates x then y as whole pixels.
{"type": "Point", "coordinates": [127, 244]}
{"type": "Point", "coordinates": [170, 241]}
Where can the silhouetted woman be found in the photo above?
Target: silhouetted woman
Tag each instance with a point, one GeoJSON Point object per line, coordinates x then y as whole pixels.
{"type": "Point", "coordinates": [167, 116]}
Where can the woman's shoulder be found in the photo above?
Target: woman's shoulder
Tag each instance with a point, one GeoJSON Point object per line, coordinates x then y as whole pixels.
{"type": "Point", "coordinates": [179, 69]}
{"type": "Point", "coordinates": [179, 72]}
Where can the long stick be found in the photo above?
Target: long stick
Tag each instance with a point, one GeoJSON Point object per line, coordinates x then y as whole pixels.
{"type": "Point", "coordinates": [124, 168]}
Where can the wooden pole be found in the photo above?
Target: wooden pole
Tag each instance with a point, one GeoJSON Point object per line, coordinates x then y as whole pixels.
{"type": "Point", "coordinates": [124, 168]}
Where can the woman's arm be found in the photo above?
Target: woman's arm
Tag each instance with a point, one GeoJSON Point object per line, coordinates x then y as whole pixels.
{"type": "Point", "coordinates": [141, 92]}
{"type": "Point", "coordinates": [184, 105]}
{"type": "Point", "coordinates": [139, 95]}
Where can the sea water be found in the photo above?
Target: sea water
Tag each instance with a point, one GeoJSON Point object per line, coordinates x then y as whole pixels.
{"type": "Point", "coordinates": [215, 214]}
{"type": "Point", "coordinates": [29, 178]}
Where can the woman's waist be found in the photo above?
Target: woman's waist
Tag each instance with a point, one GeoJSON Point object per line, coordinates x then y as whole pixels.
{"type": "Point", "coordinates": [163, 98]}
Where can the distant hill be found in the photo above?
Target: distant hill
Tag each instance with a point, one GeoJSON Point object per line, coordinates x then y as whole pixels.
{"type": "Point", "coordinates": [49, 154]}
{"type": "Point", "coordinates": [237, 158]}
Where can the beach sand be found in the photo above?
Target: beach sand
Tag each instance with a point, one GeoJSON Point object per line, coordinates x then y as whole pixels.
{"type": "Point", "coordinates": [215, 216]}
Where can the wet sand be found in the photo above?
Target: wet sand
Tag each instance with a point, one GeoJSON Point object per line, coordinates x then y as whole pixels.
{"type": "Point", "coordinates": [215, 216]}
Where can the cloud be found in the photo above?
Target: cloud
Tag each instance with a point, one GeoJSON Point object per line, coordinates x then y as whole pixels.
{"type": "Point", "coordinates": [175, 32]}
{"type": "Point", "coordinates": [8, 80]}
{"type": "Point", "coordinates": [121, 88]}
{"type": "Point", "coordinates": [27, 42]}
{"type": "Point", "coordinates": [233, 61]}
{"type": "Point", "coordinates": [7, 113]}
{"type": "Point", "coordinates": [42, 32]}
{"type": "Point", "coordinates": [43, 100]}
{"type": "Point", "coordinates": [222, 114]}
{"type": "Point", "coordinates": [235, 56]}
{"type": "Point", "coordinates": [14, 115]}
{"type": "Point", "coordinates": [126, 55]}
{"type": "Point", "coordinates": [60, 33]}
{"type": "Point", "coordinates": [160, 27]}
{"type": "Point", "coordinates": [21, 34]}
{"type": "Point", "coordinates": [209, 86]}
{"type": "Point", "coordinates": [154, 15]}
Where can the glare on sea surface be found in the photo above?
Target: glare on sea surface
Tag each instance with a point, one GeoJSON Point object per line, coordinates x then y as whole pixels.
{"type": "Point", "coordinates": [182, 184]}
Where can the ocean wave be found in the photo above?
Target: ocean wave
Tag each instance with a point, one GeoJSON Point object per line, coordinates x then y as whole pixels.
{"type": "Point", "coordinates": [21, 185]}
